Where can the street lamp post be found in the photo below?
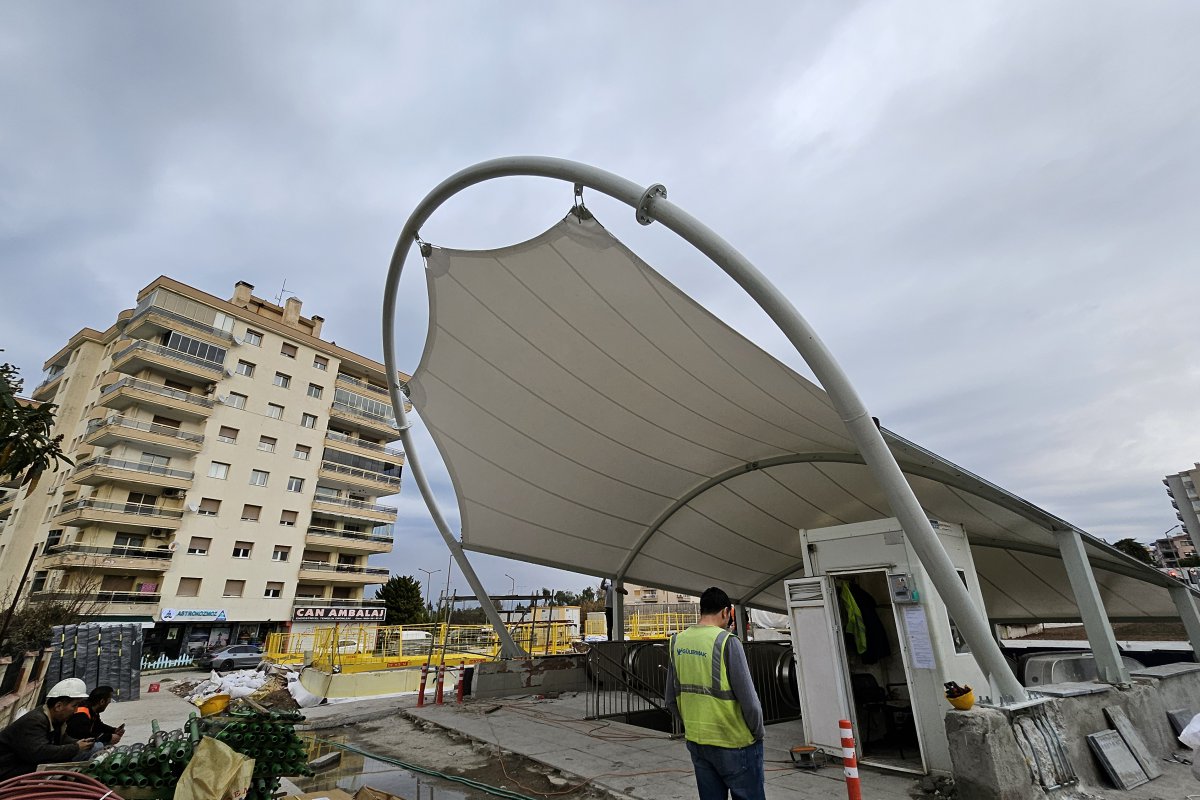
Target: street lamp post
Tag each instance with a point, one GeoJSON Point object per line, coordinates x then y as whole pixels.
{"type": "Point", "coordinates": [429, 573]}
{"type": "Point", "coordinates": [514, 583]}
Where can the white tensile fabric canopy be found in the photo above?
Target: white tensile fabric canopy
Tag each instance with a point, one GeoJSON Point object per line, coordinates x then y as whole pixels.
{"type": "Point", "coordinates": [595, 418]}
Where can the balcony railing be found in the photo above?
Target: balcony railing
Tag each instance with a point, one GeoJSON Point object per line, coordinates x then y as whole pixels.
{"type": "Point", "coordinates": [336, 602]}
{"type": "Point", "coordinates": [137, 509]}
{"type": "Point", "coordinates": [386, 422]}
{"type": "Point", "coordinates": [226, 335]}
{"type": "Point", "coordinates": [334, 436]}
{"type": "Point", "coordinates": [167, 352]}
{"type": "Point", "coordinates": [358, 536]}
{"type": "Point", "coordinates": [363, 474]}
{"type": "Point", "coordinates": [158, 389]}
{"type": "Point", "coordinates": [359, 504]}
{"type": "Point", "coordinates": [149, 427]}
{"type": "Point", "coordinates": [49, 380]}
{"type": "Point", "coordinates": [135, 466]}
{"type": "Point", "coordinates": [97, 597]}
{"type": "Point", "coordinates": [117, 551]}
{"type": "Point", "coordinates": [344, 378]}
{"type": "Point", "coordinates": [326, 566]}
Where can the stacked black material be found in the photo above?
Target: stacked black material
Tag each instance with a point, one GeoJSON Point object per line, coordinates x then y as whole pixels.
{"type": "Point", "coordinates": [100, 655]}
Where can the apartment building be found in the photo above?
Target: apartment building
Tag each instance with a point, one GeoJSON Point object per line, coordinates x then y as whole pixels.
{"type": "Point", "coordinates": [646, 594]}
{"type": "Point", "coordinates": [1170, 550]}
{"type": "Point", "coordinates": [1181, 488]}
{"type": "Point", "coordinates": [228, 467]}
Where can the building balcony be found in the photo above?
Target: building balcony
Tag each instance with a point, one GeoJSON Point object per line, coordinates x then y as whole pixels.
{"type": "Point", "coordinates": [154, 438]}
{"type": "Point", "coordinates": [172, 402]}
{"type": "Point", "coordinates": [103, 603]}
{"type": "Point", "coordinates": [333, 474]}
{"type": "Point", "coordinates": [328, 572]}
{"type": "Point", "coordinates": [138, 515]}
{"type": "Point", "coordinates": [46, 389]}
{"type": "Point", "coordinates": [152, 321]}
{"type": "Point", "coordinates": [105, 469]}
{"type": "Point", "coordinates": [362, 447]}
{"type": "Point", "coordinates": [356, 385]}
{"type": "Point", "coordinates": [115, 558]}
{"type": "Point", "coordinates": [141, 355]}
{"type": "Point", "coordinates": [358, 420]}
{"type": "Point", "coordinates": [353, 509]}
{"type": "Point", "coordinates": [349, 541]}
{"type": "Point", "coordinates": [6, 505]}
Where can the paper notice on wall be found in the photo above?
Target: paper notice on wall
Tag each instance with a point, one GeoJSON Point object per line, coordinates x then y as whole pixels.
{"type": "Point", "coordinates": [920, 648]}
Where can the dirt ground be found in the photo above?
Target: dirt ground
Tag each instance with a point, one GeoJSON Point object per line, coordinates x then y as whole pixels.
{"type": "Point", "coordinates": [432, 747]}
{"type": "Point", "coordinates": [1126, 631]}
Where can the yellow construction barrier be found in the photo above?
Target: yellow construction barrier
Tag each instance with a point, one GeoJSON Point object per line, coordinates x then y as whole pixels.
{"type": "Point", "coordinates": [659, 625]}
{"type": "Point", "coordinates": [362, 648]}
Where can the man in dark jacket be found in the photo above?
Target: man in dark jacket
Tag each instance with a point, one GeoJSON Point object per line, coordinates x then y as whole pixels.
{"type": "Point", "coordinates": [85, 723]}
{"type": "Point", "coordinates": [37, 737]}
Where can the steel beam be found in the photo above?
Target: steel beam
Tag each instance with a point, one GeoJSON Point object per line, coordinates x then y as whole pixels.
{"type": "Point", "coordinates": [1091, 608]}
{"type": "Point", "coordinates": [1185, 601]}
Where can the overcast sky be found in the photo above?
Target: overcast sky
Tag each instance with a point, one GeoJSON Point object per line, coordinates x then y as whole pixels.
{"type": "Point", "coordinates": [981, 207]}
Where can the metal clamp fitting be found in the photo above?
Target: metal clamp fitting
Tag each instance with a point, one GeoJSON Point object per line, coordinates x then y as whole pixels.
{"type": "Point", "coordinates": [643, 207]}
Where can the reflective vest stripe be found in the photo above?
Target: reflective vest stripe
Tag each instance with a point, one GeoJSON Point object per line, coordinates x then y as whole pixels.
{"type": "Point", "coordinates": [717, 654]}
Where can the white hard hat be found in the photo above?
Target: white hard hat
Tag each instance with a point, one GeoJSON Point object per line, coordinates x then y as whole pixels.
{"type": "Point", "coordinates": [69, 687]}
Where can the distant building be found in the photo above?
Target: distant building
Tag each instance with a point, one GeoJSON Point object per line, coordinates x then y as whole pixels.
{"type": "Point", "coordinates": [228, 464]}
{"type": "Point", "coordinates": [645, 594]}
{"type": "Point", "coordinates": [1170, 551]}
{"type": "Point", "coordinates": [1181, 488]}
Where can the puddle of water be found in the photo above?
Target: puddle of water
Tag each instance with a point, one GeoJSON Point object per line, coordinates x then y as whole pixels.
{"type": "Point", "coordinates": [355, 771]}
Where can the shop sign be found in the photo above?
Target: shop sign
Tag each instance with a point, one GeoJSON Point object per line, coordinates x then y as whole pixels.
{"type": "Point", "coordinates": [192, 615]}
{"type": "Point", "coordinates": [318, 613]}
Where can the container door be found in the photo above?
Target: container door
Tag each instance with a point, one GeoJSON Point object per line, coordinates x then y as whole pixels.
{"type": "Point", "coordinates": [817, 643]}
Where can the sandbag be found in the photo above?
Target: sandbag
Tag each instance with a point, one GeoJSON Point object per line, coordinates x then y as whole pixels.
{"type": "Point", "coordinates": [216, 772]}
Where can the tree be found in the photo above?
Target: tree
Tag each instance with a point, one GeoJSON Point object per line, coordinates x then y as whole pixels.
{"type": "Point", "coordinates": [1190, 561]}
{"type": "Point", "coordinates": [26, 446]}
{"type": "Point", "coordinates": [1132, 547]}
{"type": "Point", "coordinates": [401, 595]}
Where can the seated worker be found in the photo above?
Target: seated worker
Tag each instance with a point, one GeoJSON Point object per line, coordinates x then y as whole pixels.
{"type": "Point", "coordinates": [85, 723]}
{"type": "Point", "coordinates": [37, 737]}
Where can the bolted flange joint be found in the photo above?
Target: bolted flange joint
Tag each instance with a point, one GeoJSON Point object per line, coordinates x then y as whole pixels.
{"type": "Point", "coordinates": [643, 206]}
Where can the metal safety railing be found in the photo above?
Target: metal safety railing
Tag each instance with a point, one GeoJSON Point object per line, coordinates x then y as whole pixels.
{"type": "Point", "coordinates": [626, 682]}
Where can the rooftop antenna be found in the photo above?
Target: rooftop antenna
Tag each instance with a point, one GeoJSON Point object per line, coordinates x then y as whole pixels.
{"type": "Point", "coordinates": [282, 291]}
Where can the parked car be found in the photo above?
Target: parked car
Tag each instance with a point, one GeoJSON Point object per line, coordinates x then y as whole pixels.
{"type": "Point", "coordinates": [234, 656]}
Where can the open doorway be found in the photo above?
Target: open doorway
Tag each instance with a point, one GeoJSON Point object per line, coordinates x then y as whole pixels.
{"type": "Point", "coordinates": [878, 679]}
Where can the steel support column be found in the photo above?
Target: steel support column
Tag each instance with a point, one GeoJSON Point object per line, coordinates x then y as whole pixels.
{"type": "Point", "coordinates": [1185, 601]}
{"type": "Point", "coordinates": [618, 626]}
{"type": "Point", "coordinates": [1087, 597]}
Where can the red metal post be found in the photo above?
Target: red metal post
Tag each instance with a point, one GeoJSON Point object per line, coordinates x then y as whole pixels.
{"type": "Point", "coordinates": [850, 761]}
{"type": "Point", "coordinates": [458, 694]}
{"type": "Point", "coordinates": [441, 683]}
{"type": "Point", "coordinates": [421, 694]}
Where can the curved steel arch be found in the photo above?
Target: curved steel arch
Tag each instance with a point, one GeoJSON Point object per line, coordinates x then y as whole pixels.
{"type": "Point", "coordinates": [651, 205]}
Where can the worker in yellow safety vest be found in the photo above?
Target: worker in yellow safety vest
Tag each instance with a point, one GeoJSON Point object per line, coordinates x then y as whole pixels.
{"type": "Point", "coordinates": [709, 689]}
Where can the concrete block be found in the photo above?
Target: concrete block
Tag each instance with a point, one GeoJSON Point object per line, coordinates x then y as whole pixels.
{"type": "Point", "coordinates": [530, 676]}
{"type": "Point", "coordinates": [988, 764]}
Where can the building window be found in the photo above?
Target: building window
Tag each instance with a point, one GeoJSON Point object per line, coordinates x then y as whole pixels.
{"type": "Point", "coordinates": [274, 589]}
{"type": "Point", "coordinates": [308, 420]}
{"type": "Point", "coordinates": [295, 484]}
{"type": "Point", "coordinates": [39, 581]}
{"type": "Point", "coordinates": [321, 363]}
{"type": "Point", "coordinates": [154, 460]}
{"type": "Point", "coordinates": [194, 347]}
{"type": "Point", "coordinates": [281, 553]}
{"type": "Point", "coordinates": [315, 391]}
{"type": "Point", "coordinates": [227, 435]}
{"type": "Point", "coordinates": [234, 588]}
{"type": "Point", "coordinates": [250, 512]}
{"type": "Point", "coordinates": [209, 507]}
{"type": "Point", "coordinates": [218, 470]}
{"type": "Point", "coordinates": [258, 477]}
{"type": "Point", "coordinates": [274, 411]}
{"type": "Point", "coordinates": [283, 381]}
{"type": "Point", "coordinates": [242, 549]}
{"type": "Point", "coordinates": [288, 518]}
{"type": "Point", "coordinates": [188, 587]}
{"type": "Point", "coordinates": [252, 337]}
{"type": "Point", "coordinates": [245, 368]}
{"type": "Point", "coordinates": [302, 452]}
{"type": "Point", "coordinates": [198, 546]}
{"type": "Point", "coordinates": [235, 400]}
{"type": "Point", "coordinates": [266, 444]}
{"type": "Point", "coordinates": [288, 350]}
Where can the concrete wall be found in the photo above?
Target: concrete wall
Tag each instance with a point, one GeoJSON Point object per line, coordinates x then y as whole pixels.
{"type": "Point", "coordinates": [567, 673]}
{"type": "Point", "coordinates": [989, 765]}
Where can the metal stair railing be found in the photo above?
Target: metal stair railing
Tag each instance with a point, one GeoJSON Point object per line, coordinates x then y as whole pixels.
{"type": "Point", "coordinates": [617, 692]}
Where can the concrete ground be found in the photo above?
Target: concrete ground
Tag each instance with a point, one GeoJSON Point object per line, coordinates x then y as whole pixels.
{"type": "Point", "coordinates": [170, 711]}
